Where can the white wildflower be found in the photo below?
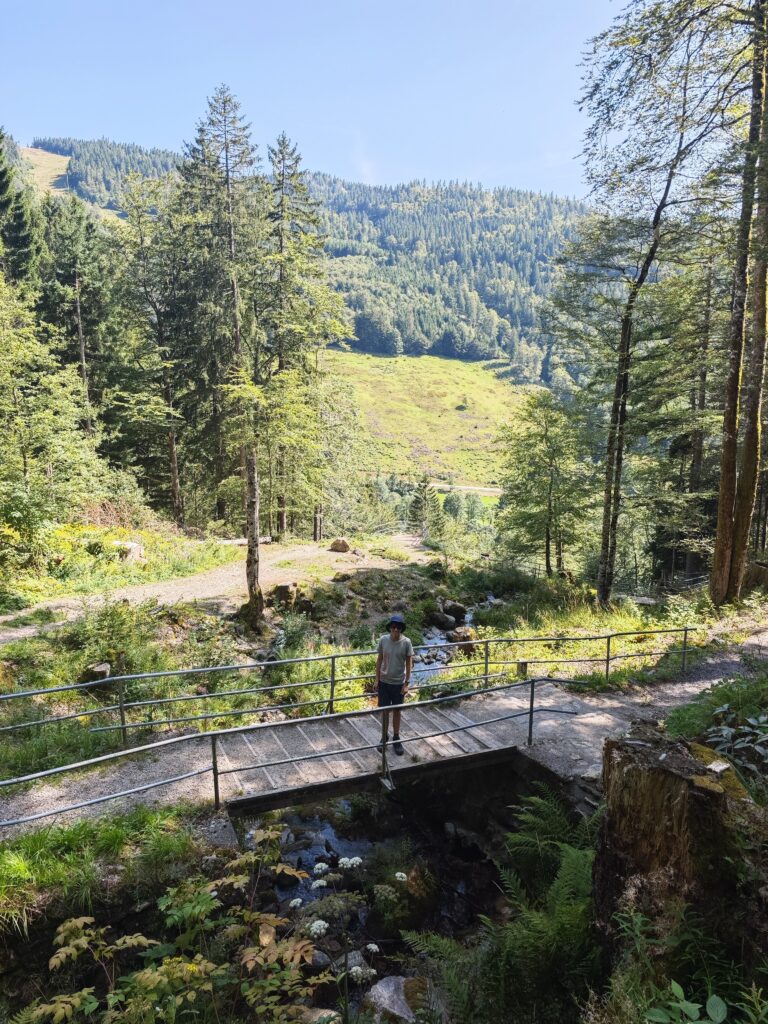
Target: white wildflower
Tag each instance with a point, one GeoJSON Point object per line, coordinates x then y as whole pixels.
{"type": "Point", "coordinates": [321, 868]}
{"type": "Point", "coordinates": [214, 892]}
{"type": "Point", "coordinates": [295, 903]}
{"type": "Point", "coordinates": [401, 876]}
{"type": "Point", "coordinates": [372, 947]}
{"type": "Point", "coordinates": [320, 883]}
{"type": "Point", "coordinates": [350, 862]}
{"type": "Point", "coordinates": [359, 974]}
{"type": "Point", "coordinates": [318, 929]}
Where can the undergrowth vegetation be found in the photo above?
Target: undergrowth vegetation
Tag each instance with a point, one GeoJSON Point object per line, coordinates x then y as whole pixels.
{"type": "Point", "coordinates": [87, 559]}
{"type": "Point", "coordinates": [58, 871]}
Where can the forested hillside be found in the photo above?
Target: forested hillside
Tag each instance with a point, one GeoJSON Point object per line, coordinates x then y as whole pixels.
{"type": "Point", "coordinates": [452, 269]}
{"type": "Point", "coordinates": [98, 167]}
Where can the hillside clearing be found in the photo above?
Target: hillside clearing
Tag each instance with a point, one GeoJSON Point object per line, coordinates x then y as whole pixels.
{"type": "Point", "coordinates": [49, 170]}
{"type": "Point", "coordinates": [429, 414]}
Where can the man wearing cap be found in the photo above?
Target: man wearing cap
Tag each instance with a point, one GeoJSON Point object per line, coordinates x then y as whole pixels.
{"type": "Point", "coordinates": [394, 665]}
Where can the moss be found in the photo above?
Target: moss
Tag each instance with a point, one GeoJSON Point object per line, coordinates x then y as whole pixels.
{"type": "Point", "coordinates": [729, 781]}
{"type": "Point", "coordinates": [704, 782]}
{"type": "Point", "coordinates": [415, 991]}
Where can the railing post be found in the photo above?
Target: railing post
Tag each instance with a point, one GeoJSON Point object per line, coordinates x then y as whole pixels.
{"type": "Point", "coordinates": [486, 645]}
{"type": "Point", "coordinates": [530, 712]}
{"type": "Point", "coordinates": [333, 683]}
{"type": "Point", "coordinates": [215, 767]}
{"type": "Point", "coordinates": [522, 670]}
{"type": "Point", "coordinates": [121, 704]}
{"type": "Point", "coordinates": [685, 648]}
{"type": "Point", "coordinates": [608, 658]}
{"type": "Point", "coordinates": [384, 734]}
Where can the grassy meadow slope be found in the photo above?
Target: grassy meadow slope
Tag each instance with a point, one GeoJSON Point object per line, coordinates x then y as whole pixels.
{"type": "Point", "coordinates": [49, 170]}
{"type": "Point", "coordinates": [430, 414]}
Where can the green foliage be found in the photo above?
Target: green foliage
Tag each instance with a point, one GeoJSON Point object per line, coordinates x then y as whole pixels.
{"type": "Point", "coordinates": [543, 959]}
{"type": "Point", "coordinates": [676, 1009]}
{"type": "Point", "coordinates": [215, 957]}
{"type": "Point", "coordinates": [98, 168]}
{"type": "Point", "coordinates": [63, 869]}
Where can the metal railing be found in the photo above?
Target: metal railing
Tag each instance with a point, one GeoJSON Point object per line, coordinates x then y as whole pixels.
{"type": "Point", "coordinates": [486, 668]}
{"type": "Point", "coordinates": [216, 736]}
{"type": "Point", "coordinates": [122, 709]}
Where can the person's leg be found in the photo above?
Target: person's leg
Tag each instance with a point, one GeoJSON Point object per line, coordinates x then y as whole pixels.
{"type": "Point", "coordinates": [397, 745]}
{"type": "Point", "coordinates": [384, 702]}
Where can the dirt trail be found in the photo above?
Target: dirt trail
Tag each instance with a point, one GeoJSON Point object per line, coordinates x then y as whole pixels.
{"type": "Point", "coordinates": [224, 588]}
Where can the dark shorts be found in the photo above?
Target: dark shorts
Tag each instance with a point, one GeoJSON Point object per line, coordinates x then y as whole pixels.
{"type": "Point", "coordinates": [390, 694]}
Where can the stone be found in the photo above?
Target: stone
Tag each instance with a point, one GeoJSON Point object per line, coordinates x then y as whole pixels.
{"type": "Point", "coordinates": [319, 1015]}
{"type": "Point", "coordinates": [442, 621]}
{"type": "Point", "coordinates": [340, 544]}
{"type": "Point", "coordinates": [395, 1000]}
{"type": "Point", "coordinates": [93, 673]}
{"type": "Point", "coordinates": [342, 577]}
{"type": "Point", "coordinates": [284, 595]}
{"type": "Point", "coordinates": [129, 550]}
{"type": "Point", "coordinates": [320, 960]}
{"type": "Point", "coordinates": [355, 958]}
{"type": "Point", "coordinates": [456, 609]}
{"type": "Point", "coordinates": [305, 605]}
{"type": "Point", "coordinates": [463, 635]}
{"type": "Point", "coordinates": [756, 576]}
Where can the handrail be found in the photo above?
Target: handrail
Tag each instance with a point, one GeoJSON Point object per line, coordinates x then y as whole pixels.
{"type": "Point", "coordinates": [277, 663]}
{"type": "Point", "coordinates": [214, 736]}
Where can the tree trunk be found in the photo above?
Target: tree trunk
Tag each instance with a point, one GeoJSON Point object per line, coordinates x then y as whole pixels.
{"type": "Point", "coordinates": [548, 531]}
{"type": "Point", "coordinates": [752, 395]}
{"type": "Point", "coordinates": [177, 498]}
{"type": "Point", "coordinates": [720, 577]}
{"type": "Point", "coordinates": [83, 360]}
{"type": "Point", "coordinates": [255, 606]}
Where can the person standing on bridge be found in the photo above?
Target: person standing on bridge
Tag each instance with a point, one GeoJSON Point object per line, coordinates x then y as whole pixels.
{"type": "Point", "coordinates": [394, 665]}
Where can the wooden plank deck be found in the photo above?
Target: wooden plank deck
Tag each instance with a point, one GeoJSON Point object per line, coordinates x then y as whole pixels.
{"type": "Point", "coordinates": [251, 779]}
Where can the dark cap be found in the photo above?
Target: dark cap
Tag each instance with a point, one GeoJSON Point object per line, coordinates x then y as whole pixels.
{"type": "Point", "coordinates": [396, 620]}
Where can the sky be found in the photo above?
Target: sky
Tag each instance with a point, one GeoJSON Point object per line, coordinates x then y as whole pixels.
{"type": "Point", "coordinates": [380, 91]}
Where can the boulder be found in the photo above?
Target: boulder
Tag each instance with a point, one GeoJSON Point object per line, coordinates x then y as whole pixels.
{"type": "Point", "coordinates": [340, 545]}
{"type": "Point", "coordinates": [284, 595]}
{"type": "Point", "coordinates": [318, 1015]}
{"type": "Point", "coordinates": [93, 673]}
{"type": "Point", "coordinates": [129, 550]}
{"type": "Point", "coordinates": [320, 961]}
{"type": "Point", "coordinates": [442, 620]}
{"type": "Point", "coordinates": [396, 1000]}
{"type": "Point", "coordinates": [355, 958]}
{"type": "Point", "coordinates": [456, 609]}
{"type": "Point", "coordinates": [756, 576]}
{"type": "Point", "coordinates": [463, 635]}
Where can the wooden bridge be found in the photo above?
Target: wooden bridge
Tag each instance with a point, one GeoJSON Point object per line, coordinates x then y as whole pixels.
{"type": "Point", "coordinates": [276, 761]}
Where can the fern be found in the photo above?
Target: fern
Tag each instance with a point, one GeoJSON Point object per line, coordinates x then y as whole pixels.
{"type": "Point", "coordinates": [26, 1016]}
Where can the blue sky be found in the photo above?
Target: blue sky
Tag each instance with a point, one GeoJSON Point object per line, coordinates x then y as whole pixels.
{"type": "Point", "coordinates": [375, 90]}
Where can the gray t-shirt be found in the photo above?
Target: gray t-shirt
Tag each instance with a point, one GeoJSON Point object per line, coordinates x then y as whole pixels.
{"type": "Point", "coordinates": [394, 653]}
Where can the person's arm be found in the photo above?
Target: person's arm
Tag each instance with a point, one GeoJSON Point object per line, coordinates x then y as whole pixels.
{"type": "Point", "coordinates": [379, 659]}
{"type": "Point", "coordinates": [408, 670]}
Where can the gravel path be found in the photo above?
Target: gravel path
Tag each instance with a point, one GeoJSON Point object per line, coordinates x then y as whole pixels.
{"type": "Point", "coordinates": [224, 589]}
{"type": "Point", "coordinates": [570, 746]}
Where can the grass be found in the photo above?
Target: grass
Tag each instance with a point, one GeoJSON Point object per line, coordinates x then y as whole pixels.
{"type": "Point", "coordinates": [746, 696]}
{"type": "Point", "coordinates": [49, 170]}
{"type": "Point", "coordinates": [68, 870]}
{"type": "Point", "coordinates": [86, 559]}
{"type": "Point", "coordinates": [430, 415]}
{"type": "Point", "coordinates": [49, 174]}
